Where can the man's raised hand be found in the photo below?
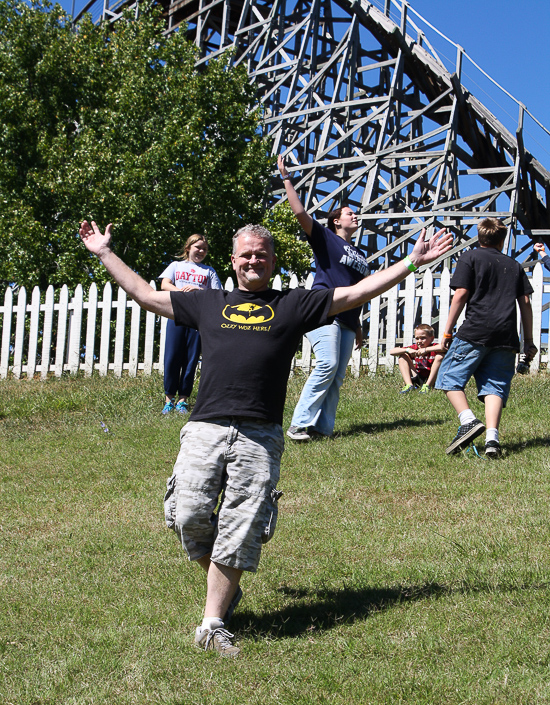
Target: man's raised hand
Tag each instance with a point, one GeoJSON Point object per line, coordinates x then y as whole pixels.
{"type": "Point", "coordinates": [425, 252]}
{"type": "Point", "coordinates": [93, 238]}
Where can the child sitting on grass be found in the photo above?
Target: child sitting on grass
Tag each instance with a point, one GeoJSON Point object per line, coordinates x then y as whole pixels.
{"type": "Point", "coordinates": [420, 362]}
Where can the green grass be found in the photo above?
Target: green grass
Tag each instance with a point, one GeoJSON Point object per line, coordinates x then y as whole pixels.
{"type": "Point", "coordinates": [396, 575]}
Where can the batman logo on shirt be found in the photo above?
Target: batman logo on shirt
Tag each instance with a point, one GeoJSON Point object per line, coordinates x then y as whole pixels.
{"type": "Point", "coordinates": [249, 314]}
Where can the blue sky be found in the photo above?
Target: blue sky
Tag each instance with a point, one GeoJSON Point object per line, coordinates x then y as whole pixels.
{"type": "Point", "coordinates": [510, 40]}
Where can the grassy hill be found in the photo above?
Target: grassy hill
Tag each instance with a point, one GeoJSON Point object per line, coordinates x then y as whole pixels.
{"type": "Point", "coordinates": [396, 575]}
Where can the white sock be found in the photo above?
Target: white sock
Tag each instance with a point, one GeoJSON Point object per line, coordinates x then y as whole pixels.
{"type": "Point", "coordinates": [466, 416]}
{"type": "Point", "coordinates": [212, 623]}
{"type": "Point", "coordinates": [491, 435]}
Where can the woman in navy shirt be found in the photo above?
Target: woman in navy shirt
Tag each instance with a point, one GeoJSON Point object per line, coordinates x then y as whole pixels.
{"type": "Point", "coordinates": [337, 263]}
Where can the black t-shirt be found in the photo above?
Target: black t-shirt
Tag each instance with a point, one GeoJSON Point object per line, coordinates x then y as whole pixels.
{"type": "Point", "coordinates": [248, 343]}
{"type": "Point", "coordinates": [495, 281]}
{"type": "Point", "coordinates": [337, 263]}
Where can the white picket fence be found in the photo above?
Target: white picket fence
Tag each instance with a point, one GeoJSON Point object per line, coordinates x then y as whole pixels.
{"type": "Point", "coordinates": [109, 334]}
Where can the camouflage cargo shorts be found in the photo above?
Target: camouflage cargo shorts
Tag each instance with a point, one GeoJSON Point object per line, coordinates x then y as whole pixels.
{"type": "Point", "coordinates": [238, 459]}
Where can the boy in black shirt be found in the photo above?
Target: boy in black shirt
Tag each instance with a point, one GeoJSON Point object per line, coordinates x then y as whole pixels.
{"type": "Point", "coordinates": [486, 345]}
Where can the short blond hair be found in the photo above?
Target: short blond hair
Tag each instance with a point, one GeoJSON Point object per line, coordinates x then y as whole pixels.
{"type": "Point", "coordinates": [424, 326]}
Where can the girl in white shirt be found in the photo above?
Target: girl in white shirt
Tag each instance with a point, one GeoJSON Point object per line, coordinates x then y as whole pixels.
{"type": "Point", "coordinates": [183, 345]}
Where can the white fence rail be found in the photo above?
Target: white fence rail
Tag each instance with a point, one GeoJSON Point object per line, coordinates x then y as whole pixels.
{"type": "Point", "coordinates": [55, 335]}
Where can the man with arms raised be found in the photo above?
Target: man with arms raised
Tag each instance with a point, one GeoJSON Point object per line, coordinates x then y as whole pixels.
{"type": "Point", "coordinates": [234, 438]}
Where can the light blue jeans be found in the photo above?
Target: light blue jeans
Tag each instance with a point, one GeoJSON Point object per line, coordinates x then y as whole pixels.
{"type": "Point", "coordinates": [332, 345]}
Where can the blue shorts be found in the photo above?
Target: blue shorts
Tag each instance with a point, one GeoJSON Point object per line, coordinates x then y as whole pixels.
{"type": "Point", "coordinates": [492, 369]}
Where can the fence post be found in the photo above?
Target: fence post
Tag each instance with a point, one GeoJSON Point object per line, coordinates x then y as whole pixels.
{"type": "Point", "coordinates": [33, 332]}
{"type": "Point", "coordinates": [62, 311]}
{"type": "Point", "coordinates": [19, 333]}
{"type": "Point", "coordinates": [134, 339]}
{"type": "Point", "coordinates": [119, 332]}
{"type": "Point", "coordinates": [106, 306]}
{"type": "Point", "coordinates": [427, 297]}
{"type": "Point", "coordinates": [409, 310]}
{"type": "Point", "coordinates": [537, 282]}
{"type": "Point", "coordinates": [293, 284]}
{"type": "Point", "coordinates": [75, 331]}
{"type": "Point", "coordinates": [90, 331]}
{"type": "Point", "coordinates": [374, 335]}
{"type": "Point", "coordinates": [444, 300]}
{"type": "Point", "coordinates": [6, 333]}
{"type": "Point", "coordinates": [149, 339]}
{"type": "Point", "coordinates": [391, 324]}
{"type": "Point", "coordinates": [162, 345]}
{"type": "Point", "coordinates": [306, 345]}
{"type": "Point", "coordinates": [356, 356]}
{"type": "Point", "coordinates": [49, 307]}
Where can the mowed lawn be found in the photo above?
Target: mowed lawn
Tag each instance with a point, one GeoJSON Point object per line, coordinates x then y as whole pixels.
{"type": "Point", "coordinates": [396, 575]}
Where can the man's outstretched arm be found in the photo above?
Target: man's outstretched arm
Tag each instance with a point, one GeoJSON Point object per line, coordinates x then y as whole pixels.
{"type": "Point", "coordinates": [98, 243]}
{"type": "Point", "coordinates": [423, 253]}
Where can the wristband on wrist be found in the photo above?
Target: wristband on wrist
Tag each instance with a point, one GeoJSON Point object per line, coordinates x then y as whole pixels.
{"type": "Point", "coordinates": [285, 177]}
{"type": "Point", "coordinates": [409, 265]}
{"type": "Point", "coordinates": [447, 336]}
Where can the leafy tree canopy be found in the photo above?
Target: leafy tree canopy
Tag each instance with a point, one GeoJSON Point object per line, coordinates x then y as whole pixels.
{"type": "Point", "coordinates": [293, 255]}
{"type": "Point", "coordinates": [117, 124]}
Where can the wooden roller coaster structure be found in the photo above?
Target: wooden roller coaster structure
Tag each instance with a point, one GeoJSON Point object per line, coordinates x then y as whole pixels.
{"type": "Point", "coordinates": [368, 115]}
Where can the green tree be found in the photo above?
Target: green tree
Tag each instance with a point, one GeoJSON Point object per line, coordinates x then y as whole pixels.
{"type": "Point", "coordinates": [293, 255]}
{"type": "Point", "coordinates": [117, 123]}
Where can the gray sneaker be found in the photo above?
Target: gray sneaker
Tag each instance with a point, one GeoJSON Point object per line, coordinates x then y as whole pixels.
{"type": "Point", "coordinates": [237, 597]}
{"type": "Point", "coordinates": [493, 449]}
{"type": "Point", "coordinates": [297, 433]}
{"type": "Point", "coordinates": [216, 640]}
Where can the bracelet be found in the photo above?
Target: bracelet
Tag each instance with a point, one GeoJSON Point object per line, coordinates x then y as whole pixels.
{"type": "Point", "coordinates": [447, 336]}
{"type": "Point", "coordinates": [287, 176]}
{"type": "Point", "coordinates": [409, 265]}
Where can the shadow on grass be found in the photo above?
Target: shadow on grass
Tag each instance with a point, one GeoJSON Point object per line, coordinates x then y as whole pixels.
{"type": "Point", "coordinates": [541, 442]}
{"type": "Point", "coordinates": [321, 610]}
{"type": "Point", "coordinates": [386, 426]}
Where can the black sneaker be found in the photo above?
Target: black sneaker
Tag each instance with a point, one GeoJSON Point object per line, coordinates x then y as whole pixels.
{"type": "Point", "coordinates": [297, 433]}
{"type": "Point", "coordinates": [493, 449]}
{"type": "Point", "coordinates": [465, 436]}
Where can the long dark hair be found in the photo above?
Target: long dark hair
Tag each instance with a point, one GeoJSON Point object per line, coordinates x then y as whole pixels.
{"type": "Point", "coordinates": [334, 215]}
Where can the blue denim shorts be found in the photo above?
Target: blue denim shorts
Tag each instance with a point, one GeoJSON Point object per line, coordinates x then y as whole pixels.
{"type": "Point", "coordinates": [492, 369]}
